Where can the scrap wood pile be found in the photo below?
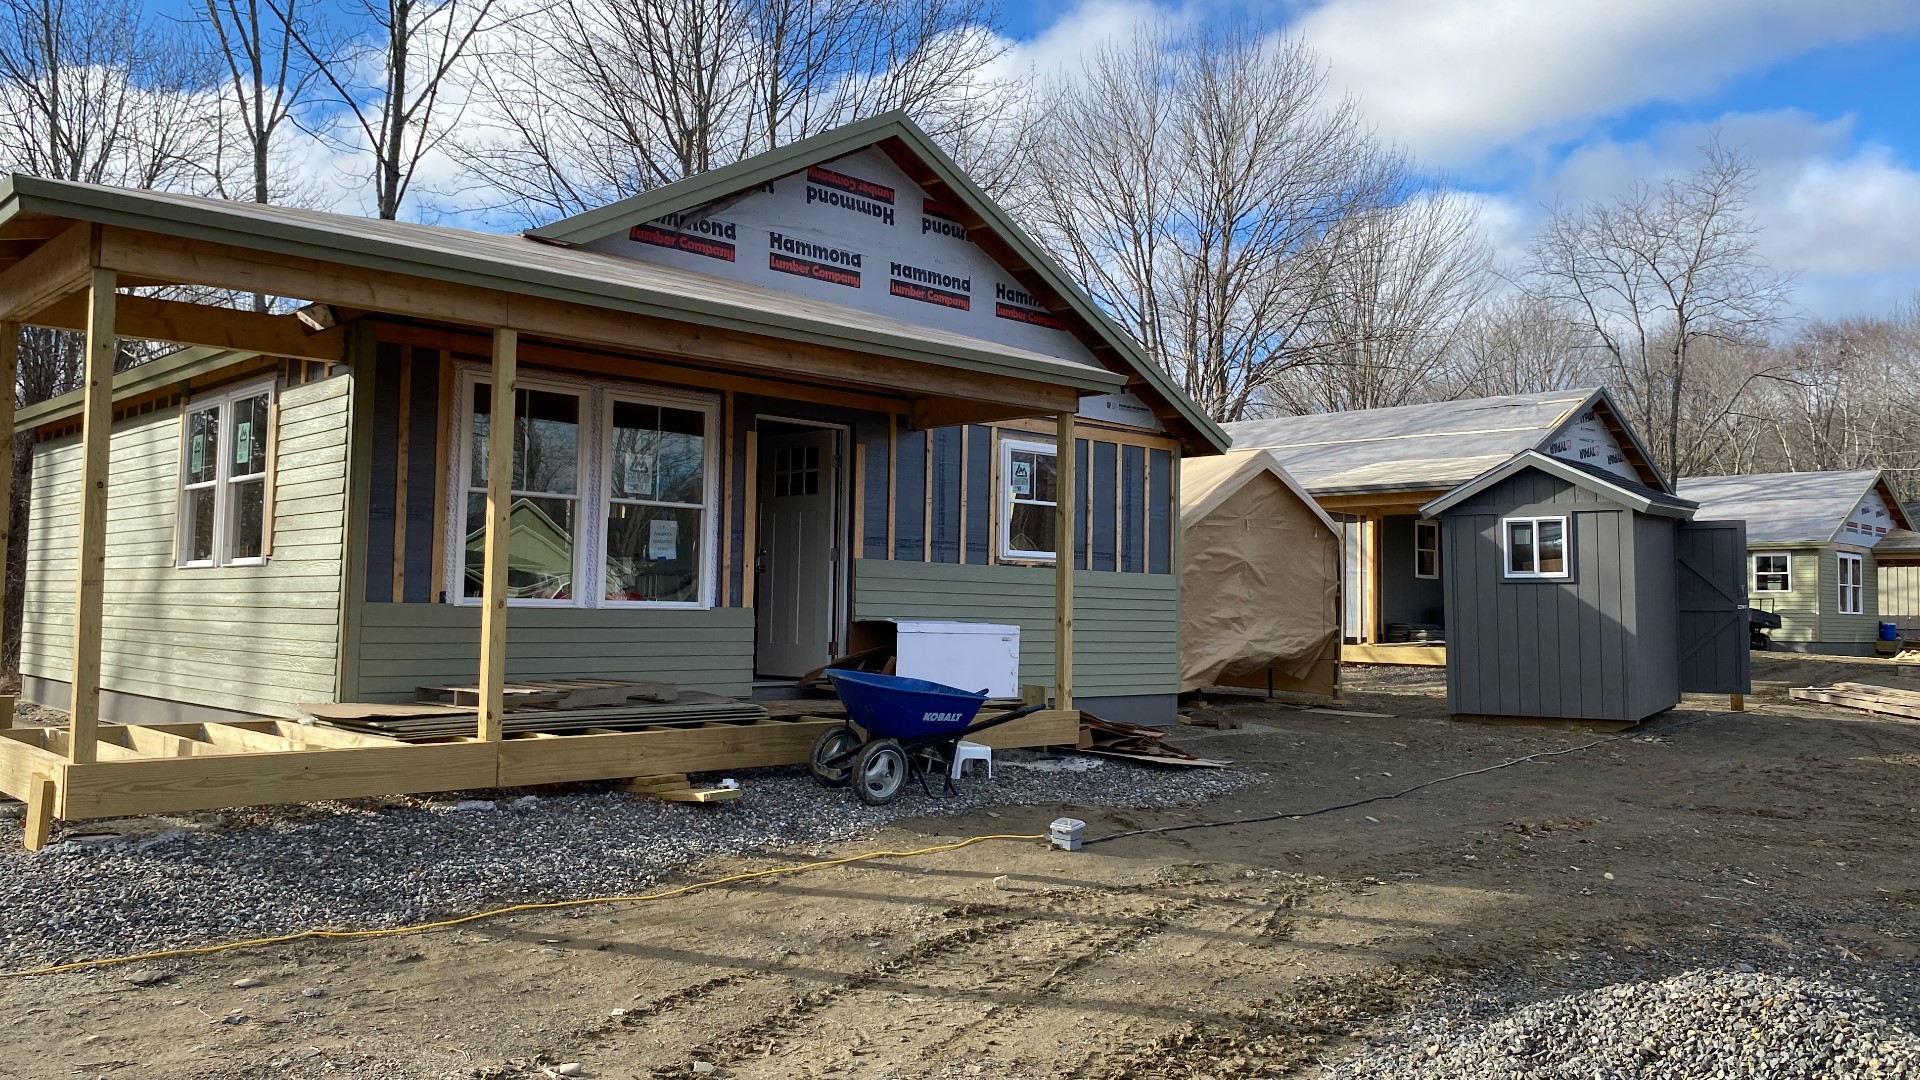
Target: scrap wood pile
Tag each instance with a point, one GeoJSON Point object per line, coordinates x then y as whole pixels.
{"type": "Point", "coordinates": [440, 712]}
{"type": "Point", "coordinates": [1885, 700]}
{"type": "Point", "coordinates": [1135, 743]}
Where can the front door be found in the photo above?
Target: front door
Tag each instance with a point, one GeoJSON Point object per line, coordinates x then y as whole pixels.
{"type": "Point", "coordinates": [798, 586]}
{"type": "Point", "coordinates": [1710, 585]}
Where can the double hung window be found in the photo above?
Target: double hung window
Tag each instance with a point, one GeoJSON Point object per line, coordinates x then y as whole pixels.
{"type": "Point", "coordinates": [611, 499]}
{"type": "Point", "coordinates": [1853, 600]}
{"type": "Point", "coordinates": [1426, 549]}
{"type": "Point", "coordinates": [223, 478]}
{"type": "Point", "coordinates": [1536, 547]}
{"type": "Point", "coordinates": [1029, 497]}
{"type": "Point", "coordinates": [1772, 572]}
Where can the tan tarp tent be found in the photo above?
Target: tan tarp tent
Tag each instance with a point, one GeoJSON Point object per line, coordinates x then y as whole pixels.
{"type": "Point", "coordinates": [1259, 579]}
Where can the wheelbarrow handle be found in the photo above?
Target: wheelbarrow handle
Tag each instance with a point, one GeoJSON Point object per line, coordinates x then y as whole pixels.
{"type": "Point", "coordinates": [1006, 718]}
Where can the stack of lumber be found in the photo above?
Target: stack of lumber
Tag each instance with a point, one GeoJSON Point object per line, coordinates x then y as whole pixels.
{"type": "Point", "coordinates": [597, 705]}
{"type": "Point", "coordinates": [1132, 742]}
{"type": "Point", "coordinates": [675, 787]}
{"type": "Point", "coordinates": [1885, 700]}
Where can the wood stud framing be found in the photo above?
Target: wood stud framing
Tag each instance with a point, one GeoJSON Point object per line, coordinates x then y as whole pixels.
{"type": "Point", "coordinates": [91, 555]}
{"type": "Point", "coordinates": [1063, 566]}
{"type": "Point", "coordinates": [9, 371]}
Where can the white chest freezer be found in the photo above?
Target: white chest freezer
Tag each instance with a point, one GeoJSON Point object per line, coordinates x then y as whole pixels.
{"type": "Point", "coordinates": [967, 655]}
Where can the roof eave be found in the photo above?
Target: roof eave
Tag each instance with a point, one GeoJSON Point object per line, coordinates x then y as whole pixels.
{"type": "Point", "coordinates": [108, 207]}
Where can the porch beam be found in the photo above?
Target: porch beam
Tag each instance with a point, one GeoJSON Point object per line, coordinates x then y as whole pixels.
{"type": "Point", "coordinates": [152, 319]}
{"type": "Point", "coordinates": [1063, 564]}
{"type": "Point", "coordinates": [151, 256]}
{"type": "Point", "coordinates": [50, 272]}
{"type": "Point", "coordinates": [493, 583]}
{"type": "Point", "coordinates": [96, 434]}
{"type": "Point", "coordinates": [9, 379]}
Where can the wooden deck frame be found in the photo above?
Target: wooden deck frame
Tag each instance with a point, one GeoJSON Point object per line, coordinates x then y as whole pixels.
{"type": "Point", "coordinates": [93, 770]}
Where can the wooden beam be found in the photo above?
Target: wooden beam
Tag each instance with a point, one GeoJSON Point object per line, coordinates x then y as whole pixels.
{"type": "Point", "coordinates": [53, 270]}
{"type": "Point", "coordinates": [1063, 564]}
{"type": "Point", "coordinates": [493, 587]}
{"type": "Point", "coordinates": [9, 379]}
{"type": "Point", "coordinates": [153, 319]}
{"type": "Point", "coordinates": [40, 802]}
{"type": "Point", "coordinates": [1399, 502]}
{"type": "Point", "coordinates": [176, 259]}
{"type": "Point", "coordinates": [750, 519]}
{"type": "Point", "coordinates": [402, 443]}
{"type": "Point", "coordinates": [90, 578]}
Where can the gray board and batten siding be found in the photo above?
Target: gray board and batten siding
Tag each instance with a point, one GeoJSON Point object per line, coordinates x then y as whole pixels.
{"type": "Point", "coordinates": [1596, 645]}
{"type": "Point", "coordinates": [253, 640]}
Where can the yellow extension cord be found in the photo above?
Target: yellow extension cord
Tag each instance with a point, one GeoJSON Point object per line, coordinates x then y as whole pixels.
{"type": "Point", "coordinates": [664, 894]}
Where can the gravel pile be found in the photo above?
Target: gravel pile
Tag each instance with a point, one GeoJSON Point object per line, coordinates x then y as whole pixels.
{"type": "Point", "coordinates": [163, 882]}
{"type": "Point", "coordinates": [1701, 1025]}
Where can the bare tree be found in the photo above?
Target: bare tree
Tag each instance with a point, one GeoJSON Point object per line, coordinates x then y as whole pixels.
{"type": "Point", "coordinates": [414, 47]}
{"type": "Point", "coordinates": [593, 100]}
{"type": "Point", "coordinates": [1519, 344]}
{"type": "Point", "coordinates": [1656, 274]}
{"type": "Point", "coordinates": [264, 80]}
{"type": "Point", "coordinates": [1195, 187]}
{"type": "Point", "coordinates": [1401, 281]}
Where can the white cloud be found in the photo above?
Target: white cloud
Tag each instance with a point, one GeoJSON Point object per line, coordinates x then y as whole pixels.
{"type": "Point", "coordinates": [1457, 80]}
{"type": "Point", "coordinates": [1060, 49]}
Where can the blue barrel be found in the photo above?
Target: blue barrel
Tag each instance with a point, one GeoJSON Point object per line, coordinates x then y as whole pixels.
{"type": "Point", "coordinates": [1889, 631]}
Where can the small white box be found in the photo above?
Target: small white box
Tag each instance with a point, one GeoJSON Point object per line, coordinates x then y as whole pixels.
{"type": "Point", "coordinates": [1065, 833]}
{"type": "Point", "coordinates": [964, 655]}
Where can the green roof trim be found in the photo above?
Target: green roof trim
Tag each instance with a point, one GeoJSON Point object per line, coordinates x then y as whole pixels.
{"type": "Point", "coordinates": [683, 195]}
{"type": "Point", "coordinates": [153, 375]}
{"type": "Point", "coordinates": [514, 264]}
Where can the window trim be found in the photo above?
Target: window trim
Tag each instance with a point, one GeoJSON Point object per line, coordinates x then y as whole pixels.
{"type": "Point", "coordinates": [1859, 586]}
{"type": "Point", "coordinates": [1753, 572]}
{"type": "Point", "coordinates": [1431, 526]}
{"type": "Point", "coordinates": [595, 464]}
{"type": "Point", "coordinates": [1005, 500]}
{"type": "Point", "coordinates": [709, 492]}
{"type": "Point", "coordinates": [221, 402]}
{"type": "Point", "coordinates": [1566, 547]}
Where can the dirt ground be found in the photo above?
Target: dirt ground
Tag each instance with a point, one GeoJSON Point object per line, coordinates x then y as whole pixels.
{"type": "Point", "coordinates": [1787, 836]}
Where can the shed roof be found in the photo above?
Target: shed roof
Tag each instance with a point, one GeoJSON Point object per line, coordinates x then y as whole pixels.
{"type": "Point", "coordinates": [1207, 482]}
{"type": "Point", "coordinates": [1790, 508]}
{"type": "Point", "coordinates": [1638, 497]}
{"type": "Point", "coordinates": [1429, 447]}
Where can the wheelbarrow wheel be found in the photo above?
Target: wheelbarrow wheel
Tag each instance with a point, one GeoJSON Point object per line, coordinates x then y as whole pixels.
{"type": "Point", "coordinates": [879, 772]}
{"type": "Point", "coordinates": [833, 753]}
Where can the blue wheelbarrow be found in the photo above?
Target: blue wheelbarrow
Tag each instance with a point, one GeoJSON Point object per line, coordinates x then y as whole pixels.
{"type": "Point", "coordinates": [897, 729]}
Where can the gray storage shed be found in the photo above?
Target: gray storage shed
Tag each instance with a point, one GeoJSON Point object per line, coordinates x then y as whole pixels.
{"type": "Point", "coordinates": [1574, 593]}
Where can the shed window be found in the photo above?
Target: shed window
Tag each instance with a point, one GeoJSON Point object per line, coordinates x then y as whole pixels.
{"type": "Point", "coordinates": [1426, 549]}
{"type": "Point", "coordinates": [1028, 483]}
{"type": "Point", "coordinates": [223, 478]}
{"type": "Point", "coordinates": [611, 496]}
{"type": "Point", "coordinates": [1852, 588]}
{"type": "Point", "coordinates": [1772, 572]}
{"type": "Point", "coordinates": [1536, 547]}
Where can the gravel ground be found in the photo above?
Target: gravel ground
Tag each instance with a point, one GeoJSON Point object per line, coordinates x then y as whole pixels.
{"type": "Point", "coordinates": [1700, 1025]}
{"type": "Point", "coordinates": [133, 885]}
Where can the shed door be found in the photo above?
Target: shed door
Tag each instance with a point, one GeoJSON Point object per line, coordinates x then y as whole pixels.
{"type": "Point", "coordinates": [1711, 590]}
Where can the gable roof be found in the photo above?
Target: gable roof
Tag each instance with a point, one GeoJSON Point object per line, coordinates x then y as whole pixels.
{"type": "Point", "coordinates": [1427, 447]}
{"type": "Point", "coordinates": [1207, 482]}
{"type": "Point", "coordinates": [917, 155]}
{"type": "Point", "coordinates": [1638, 497]}
{"type": "Point", "coordinates": [1791, 508]}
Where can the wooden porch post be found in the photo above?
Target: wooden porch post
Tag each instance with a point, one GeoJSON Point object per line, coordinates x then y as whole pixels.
{"type": "Point", "coordinates": [96, 433]}
{"type": "Point", "coordinates": [1063, 564]}
{"type": "Point", "coordinates": [493, 585]}
{"type": "Point", "coordinates": [9, 376]}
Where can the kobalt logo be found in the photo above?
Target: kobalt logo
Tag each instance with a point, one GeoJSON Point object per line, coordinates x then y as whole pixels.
{"type": "Point", "coordinates": [931, 287]}
{"type": "Point", "coordinates": [941, 718]}
{"type": "Point", "coordinates": [850, 193]}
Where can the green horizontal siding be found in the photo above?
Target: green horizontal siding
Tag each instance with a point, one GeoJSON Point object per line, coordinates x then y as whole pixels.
{"type": "Point", "coordinates": [256, 639]}
{"type": "Point", "coordinates": [1849, 629]}
{"type": "Point", "coordinates": [1799, 608]}
{"type": "Point", "coordinates": [404, 646]}
{"type": "Point", "coordinates": [1126, 626]}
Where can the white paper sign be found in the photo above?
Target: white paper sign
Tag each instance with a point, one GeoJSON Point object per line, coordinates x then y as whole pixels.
{"type": "Point", "coordinates": [637, 474]}
{"type": "Point", "coordinates": [1022, 477]}
{"type": "Point", "coordinates": [663, 538]}
{"type": "Point", "coordinates": [243, 442]}
{"type": "Point", "coordinates": [199, 453]}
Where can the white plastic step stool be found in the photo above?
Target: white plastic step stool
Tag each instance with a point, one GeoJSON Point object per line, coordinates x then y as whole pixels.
{"type": "Point", "coordinates": [971, 751]}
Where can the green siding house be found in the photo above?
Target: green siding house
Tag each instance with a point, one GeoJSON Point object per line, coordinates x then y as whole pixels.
{"type": "Point", "coordinates": [1811, 540]}
{"type": "Point", "coordinates": [752, 409]}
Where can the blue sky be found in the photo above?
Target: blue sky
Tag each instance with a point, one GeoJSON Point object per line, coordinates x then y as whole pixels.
{"type": "Point", "coordinates": [1528, 103]}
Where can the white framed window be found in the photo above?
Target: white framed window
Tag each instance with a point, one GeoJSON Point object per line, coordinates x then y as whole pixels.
{"type": "Point", "coordinates": [223, 478]}
{"type": "Point", "coordinates": [1772, 572]}
{"type": "Point", "coordinates": [1536, 547]}
{"type": "Point", "coordinates": [1426, 549]}
{"type": "Point", "coordinates": [1029, 497]}
{"type": "Point", "coordinates": [612, 495]}
{"type": "Point", "coordinates": [1853, 590]}
{"type": "Point", "coordinates": [659, 484]}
